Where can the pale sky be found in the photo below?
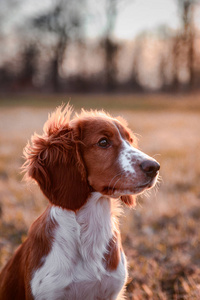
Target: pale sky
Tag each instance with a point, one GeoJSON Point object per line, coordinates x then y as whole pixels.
{"type": "Point", "coordinates": [134, 17]}
{"type": "Point", "coordinates": [143, 15]}
{"type": "Point", "coordinates": [137, 16]}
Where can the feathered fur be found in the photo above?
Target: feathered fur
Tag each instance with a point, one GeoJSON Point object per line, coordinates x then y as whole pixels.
{"type": "Point", "coordinates": [73, 250]}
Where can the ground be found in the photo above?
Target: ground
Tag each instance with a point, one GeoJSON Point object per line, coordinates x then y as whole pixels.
{"type": "Point", "coordinates": [161, 236]}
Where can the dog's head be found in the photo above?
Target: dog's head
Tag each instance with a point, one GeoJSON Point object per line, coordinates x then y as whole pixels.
{"type": "Point", "coordinates": [92, 152]}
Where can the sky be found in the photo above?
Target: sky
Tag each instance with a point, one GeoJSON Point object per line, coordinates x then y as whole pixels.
{"type": "Point", "coordinates": [134, 17]}
{"type": "Point", "coordinates": [142, 15]}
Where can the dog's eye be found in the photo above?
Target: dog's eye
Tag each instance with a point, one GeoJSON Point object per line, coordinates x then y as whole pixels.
{"type": "Point", "coordinates": [130, 140]}
{"type": "Point", "coordinates": [103, 143]}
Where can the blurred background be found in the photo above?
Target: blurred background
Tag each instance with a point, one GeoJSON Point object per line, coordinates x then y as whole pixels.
{"type": "Point", "coordinates": [99, 46]}
{"type": "Point", "coordinates": [139, 59]}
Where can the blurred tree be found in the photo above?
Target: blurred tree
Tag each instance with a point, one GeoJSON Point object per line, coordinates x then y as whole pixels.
{"type": "Point", "coordinates": [176, 46]}
{"type": "Point", "coordinates": [8, 9]}
{"type": "Point", "coordinates": [135, 82]}
{"type": "Point", "coordinates": [63, 24]}
{"type": "Point", "coordinates": [111, 47]}
{"type": "Point", "coordinates": [168, 72]}
{"type": "Point", "coordinates": [188, 35]}
{"type": "Point", "coordinates": [29, 58]}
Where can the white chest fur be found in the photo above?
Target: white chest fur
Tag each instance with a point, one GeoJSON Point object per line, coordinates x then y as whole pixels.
{"type": "Point", "coordinates": [74, 268]}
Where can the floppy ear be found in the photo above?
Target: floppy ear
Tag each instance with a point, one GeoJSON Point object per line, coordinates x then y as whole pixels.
{"type": "Point", "coordinates": [129, 200]}
{"type": "Point", "coordinates": [55, 162]}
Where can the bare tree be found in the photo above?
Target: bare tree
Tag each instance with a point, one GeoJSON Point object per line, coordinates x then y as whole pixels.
{"type": "Point", "coordinates": [63, 23]}
{"type": "Point", "coordinates": [175, 55]}
{"type": "Point", "coordinates": [188, 34]}
{"type": "Point", "coordinates": [135, 82]}
{"type": "Point", "coordinates": [29, 58]}
{"type": "Point", "coordinates": [111, 47]}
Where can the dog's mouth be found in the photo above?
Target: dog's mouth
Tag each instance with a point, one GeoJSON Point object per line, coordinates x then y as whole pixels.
{"type": "Point", "coordinates": [129, 190]}
{"type": "Point", "coordinates": [147, 185]}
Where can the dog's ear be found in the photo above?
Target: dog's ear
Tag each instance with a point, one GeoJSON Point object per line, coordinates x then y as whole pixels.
{"type": "Point", "coordinates": [129, 200]}
{"type": "Point", "coordinates": [54, 161]}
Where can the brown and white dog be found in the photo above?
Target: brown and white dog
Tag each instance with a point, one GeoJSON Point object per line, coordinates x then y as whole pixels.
{"type": "Point", "coordinates": [73, 250]}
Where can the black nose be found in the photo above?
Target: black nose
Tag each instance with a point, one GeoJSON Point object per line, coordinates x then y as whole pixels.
{"type": "Point", "coordinates": [150, 167]}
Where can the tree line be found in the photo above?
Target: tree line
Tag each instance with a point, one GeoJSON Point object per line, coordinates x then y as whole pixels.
{"type": "Point", "coordinates": [54, 54]}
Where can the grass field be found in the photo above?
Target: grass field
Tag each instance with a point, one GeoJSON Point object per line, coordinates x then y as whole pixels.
{"type": "Point", "coordinates": [161, 237]}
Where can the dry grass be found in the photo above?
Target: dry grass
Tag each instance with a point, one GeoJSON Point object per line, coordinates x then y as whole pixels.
{"type": "Point", "coordinates": [161, 236]}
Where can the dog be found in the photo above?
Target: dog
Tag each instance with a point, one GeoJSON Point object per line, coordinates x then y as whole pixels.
{"type": "Point", "coordinates": [86, 167]}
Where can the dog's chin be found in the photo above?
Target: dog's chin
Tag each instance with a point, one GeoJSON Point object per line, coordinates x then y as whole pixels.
{"type": "Point", "coordinates": [117, 193]}
{"type": "Point", "coordinates": [131, 190]}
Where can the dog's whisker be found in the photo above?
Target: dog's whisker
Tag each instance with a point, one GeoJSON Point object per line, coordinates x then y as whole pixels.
{"type": "Point", "coordinates": [115, 184]}
{"type": "Point", "coordinates": [120, 173]}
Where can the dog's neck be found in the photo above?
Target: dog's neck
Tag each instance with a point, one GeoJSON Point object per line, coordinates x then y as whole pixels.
{"type": "Point", "coordinates": [91, 227]}
{"type": "Point", "coordinates": [80, 236]}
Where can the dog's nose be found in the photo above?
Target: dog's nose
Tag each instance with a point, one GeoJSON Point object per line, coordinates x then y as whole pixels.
{"type": "Point", "coordinates": [150, 167]}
